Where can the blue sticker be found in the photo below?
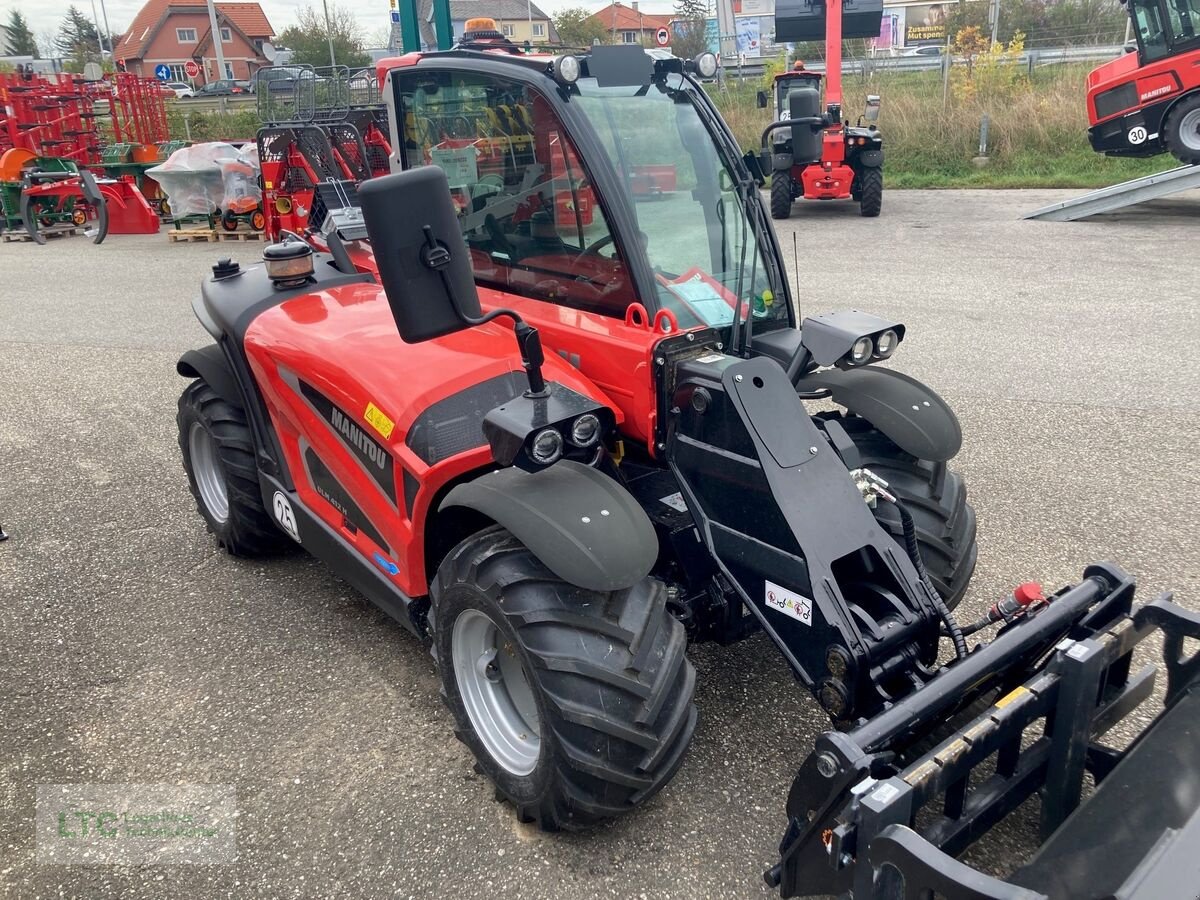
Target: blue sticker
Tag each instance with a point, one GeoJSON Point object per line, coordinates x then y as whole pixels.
{"type": "Point", "coordinates": [386, 564]}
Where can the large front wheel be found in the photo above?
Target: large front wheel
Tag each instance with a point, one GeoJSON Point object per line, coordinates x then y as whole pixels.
{"type": "Point", "coordinates": [577, 704]}
{"type": "Point", "coordinates": [935, 495]}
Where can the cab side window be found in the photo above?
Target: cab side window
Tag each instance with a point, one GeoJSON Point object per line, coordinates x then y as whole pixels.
{"type": "Point", "coordinates": [528, 214]}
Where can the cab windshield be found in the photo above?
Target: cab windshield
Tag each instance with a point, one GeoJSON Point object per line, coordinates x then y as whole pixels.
{"type": "Point", "coordinates": [1163, 26]}
{"type": "Point", "coordinates": [692, 217]}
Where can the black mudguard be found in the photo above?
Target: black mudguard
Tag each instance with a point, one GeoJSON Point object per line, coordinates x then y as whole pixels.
{"type": "Point", "coordinates": [210, 364]}
{"type": "Point", "coordinates": [907, 411]}
{"type": "Point", "coordinates": [870, 159]}
{"type": "Point", "coordinates": [584, 526]}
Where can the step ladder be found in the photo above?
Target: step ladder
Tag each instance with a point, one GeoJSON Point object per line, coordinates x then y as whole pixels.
{"type": "Point", "coordinates": [1127, 193]}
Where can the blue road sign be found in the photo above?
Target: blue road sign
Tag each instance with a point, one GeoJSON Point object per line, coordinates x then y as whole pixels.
{"type": "Point", "coordinates": [162, 72]}
{"type": "Point", "coordinates": [396, 16]}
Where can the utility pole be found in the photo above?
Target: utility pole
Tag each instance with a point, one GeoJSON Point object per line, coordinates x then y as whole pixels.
{"type": "Point", "coordinates": [111, 48]}
{"type": "Point", "coordinates": [216, 39]}
{"type": "Point", "coordinates": [995, 15]}
{"type": "Point", "coordinates": [529, 13]}
{"type": "Point", "coordinates": [329, 34]}
{"type": "Point", "coordinates": [99, 33]}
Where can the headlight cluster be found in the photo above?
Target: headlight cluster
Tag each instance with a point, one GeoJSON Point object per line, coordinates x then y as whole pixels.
{"type": "Point", "coordinates": [873, 346]}
{"type": "Point", "coordinates": [547, 445]}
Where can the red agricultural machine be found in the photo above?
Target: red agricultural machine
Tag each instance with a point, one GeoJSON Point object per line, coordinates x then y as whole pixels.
{"type": "Point", "coordinates": [58, 170]}
{"type": "Point", "coordinates": [1148, 102]}
{"type": "Point", "coordinates": [321, 127]}
{"type": "Point", "coordinates": [815, 153]}
{"type": "Point", "coordinates": [561, 506]}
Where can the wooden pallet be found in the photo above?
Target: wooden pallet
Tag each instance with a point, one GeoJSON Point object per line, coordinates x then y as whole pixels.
{"type": "Point", "coordinates": [191, 235]}
{"type": "Point", "coordinates": [11, 237]}
{"type": "Point", "coordinates": [240, 235]}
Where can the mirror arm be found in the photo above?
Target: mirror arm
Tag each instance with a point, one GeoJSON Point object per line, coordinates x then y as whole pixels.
{"type": "Point", "coordinates": [437, 257]}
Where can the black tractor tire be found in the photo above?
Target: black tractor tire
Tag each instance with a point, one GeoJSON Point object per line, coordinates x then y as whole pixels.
{"type": "Point", "coordinates": [870, 192]}
{"type": "Point", "coordinates": [781, 195]}
{"type": "Point", "coordinates": [607, 671]}
{"type": "Point", "coordinates": [935, 496]}
{"type": "Point", "coordinates": [1181, 130]}
{"type": "Point", "coordinates": [245, 527]}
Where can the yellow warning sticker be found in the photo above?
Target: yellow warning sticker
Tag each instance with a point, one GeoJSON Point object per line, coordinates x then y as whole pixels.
{"type": "Point", "coordinates": [1011, 696]}
{"type": "Point", "coordinates": [380, 422]}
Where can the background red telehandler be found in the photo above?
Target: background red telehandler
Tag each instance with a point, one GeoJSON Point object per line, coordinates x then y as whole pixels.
{"type": "Point", "coordinates": [814, 153]}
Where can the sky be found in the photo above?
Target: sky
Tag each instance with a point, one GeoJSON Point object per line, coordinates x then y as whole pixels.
{"type": "Point", "coordinates": [47, 15]}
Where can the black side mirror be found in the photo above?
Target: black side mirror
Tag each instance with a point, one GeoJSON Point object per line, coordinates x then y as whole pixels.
{"type": "Point", "coordinates": [423, 261]}
{"type": "Point", "coordinates": [804, 109]}
{"type": "Point", "coordinates": [761, 99]}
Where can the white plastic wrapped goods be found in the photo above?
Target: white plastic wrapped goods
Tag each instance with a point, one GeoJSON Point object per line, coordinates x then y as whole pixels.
{"type": "Point", "coordinates": [240, 182]}
{"type": "Point", "coordinates": [193, 178]}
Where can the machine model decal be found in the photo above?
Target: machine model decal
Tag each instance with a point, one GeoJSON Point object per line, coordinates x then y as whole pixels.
{"type": "Point", "coordinates": [788, 602]}
{"type": "Point", "coordinates": [284, 515]}
{"type": "Point", "coordinates": [376, 460]}
{"type": "Point", "coordinates": [378, 420]}
{"type": "Point", "coordinates": [339, 498]}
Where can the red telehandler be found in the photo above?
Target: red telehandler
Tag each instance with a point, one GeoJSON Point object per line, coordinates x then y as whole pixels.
{"type": "Point", "coordinates": [561, 447]}
{"type": "Point", "coordinates": [1148, 102]}
{"type": "Point", "coordinates": [817, 154]}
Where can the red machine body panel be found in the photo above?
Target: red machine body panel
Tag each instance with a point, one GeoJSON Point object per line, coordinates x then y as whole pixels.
{"type": "Point", "coordinates": [288, 350]}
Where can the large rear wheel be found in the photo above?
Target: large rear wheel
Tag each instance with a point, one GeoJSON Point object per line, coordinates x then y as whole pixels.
{"type": "Point", "coordinates": [936, 497]}
{"type": "Point", "coordinates": [870, 191]}
{"type": "Point", "coordinates": [218, 455]}
{"type": "Point", "coordinates": [576, 703]}
{"type": "Point", "coordinates": [781, 195]}
{"type": "Point", "coordinates": [1181, 130]}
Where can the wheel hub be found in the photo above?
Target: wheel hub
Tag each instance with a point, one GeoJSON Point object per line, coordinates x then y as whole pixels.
{"type": "Point", "coordinates": [496, 692]}
{"type": "Point", "coordinates": [1189, 130]}
{"type": "Point", "coordinates": [210, 482]}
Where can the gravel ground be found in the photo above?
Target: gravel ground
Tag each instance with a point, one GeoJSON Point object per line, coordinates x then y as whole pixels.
{"type": "Point", "coordinates": [134, 652]}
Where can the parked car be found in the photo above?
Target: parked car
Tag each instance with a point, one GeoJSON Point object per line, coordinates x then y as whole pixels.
{"type": "Point", "coordinates": [935, 50]}
{"type": "Point", "coordinates": [223, 88]}
{"type": "Point", "coordinates": [180, 89]}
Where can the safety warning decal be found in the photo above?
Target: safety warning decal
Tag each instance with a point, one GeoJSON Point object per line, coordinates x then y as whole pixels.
{"type": "Point", "coordinates": [788, 602]}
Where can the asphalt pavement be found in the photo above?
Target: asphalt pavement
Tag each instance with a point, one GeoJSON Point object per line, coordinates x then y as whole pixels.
{"type": "Point", "coordinates": [132, 651]}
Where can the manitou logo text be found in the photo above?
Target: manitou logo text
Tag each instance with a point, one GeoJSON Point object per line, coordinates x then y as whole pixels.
{"type": "Point", "coordinates": [356, 436]}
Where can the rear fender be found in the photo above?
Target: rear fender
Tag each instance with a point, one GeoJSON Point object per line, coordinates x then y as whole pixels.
{"type": "Point", "coordinates": [907, 411]}
{"type": "Point", "coordinates": [211, 364]}
{"type": "Point", "coordinates": [583, 525]}
{"type": "Point", "coordinates": [869, 159]}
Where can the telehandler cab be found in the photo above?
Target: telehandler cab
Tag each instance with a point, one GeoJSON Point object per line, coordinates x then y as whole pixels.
{"type": "Point", "coordinates": [558, 430]}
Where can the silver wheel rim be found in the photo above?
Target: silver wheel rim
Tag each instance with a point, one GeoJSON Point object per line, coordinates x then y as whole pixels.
{"type": "Point", "coordinates": [209, 480]}
{"type": "Point", "coordinates": [1189, 130]}
{"type": "Point", "coordinates": [496, 693]}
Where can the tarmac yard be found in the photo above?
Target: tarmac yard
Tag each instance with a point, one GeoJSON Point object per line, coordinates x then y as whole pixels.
{"type": "Point", "coordinates": [133, 652]}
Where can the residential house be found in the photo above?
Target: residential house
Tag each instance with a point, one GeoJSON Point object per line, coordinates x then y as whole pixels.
{"type": "Point", "coordinates": [518, 20]}
{"type": "Point", "coordinates": [629, 25]}
{"type": "Point", "coordinates": [171, 32]}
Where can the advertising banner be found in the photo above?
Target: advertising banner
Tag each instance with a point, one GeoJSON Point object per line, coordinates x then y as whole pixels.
{"type": "Point", "coordinates": [925, 24]}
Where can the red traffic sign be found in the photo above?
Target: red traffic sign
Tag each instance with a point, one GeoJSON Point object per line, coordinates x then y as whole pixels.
{"type": "Point", "coordinates": [191, 69]}
{"type": "Point", "coordinates": [663, 37]}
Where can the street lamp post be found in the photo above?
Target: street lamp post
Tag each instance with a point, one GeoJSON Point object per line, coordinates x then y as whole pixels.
{"type": "Point", "coordinates": [329, 34]}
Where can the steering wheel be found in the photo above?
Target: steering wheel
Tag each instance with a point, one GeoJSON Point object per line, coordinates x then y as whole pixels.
{"type": "Point", "coordinates": [595, 248]}
{"type": "Point", "coordinates": [499, 237]}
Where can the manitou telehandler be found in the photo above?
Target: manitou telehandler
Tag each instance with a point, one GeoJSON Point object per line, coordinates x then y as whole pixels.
{"type": "Point", "coordinates": [560, 445]}
{"type": "Point", "coordinates": [813, 152]}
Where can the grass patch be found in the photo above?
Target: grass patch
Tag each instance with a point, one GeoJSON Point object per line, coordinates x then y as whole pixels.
{"type": "Point", "coordinates": [1037, 133]}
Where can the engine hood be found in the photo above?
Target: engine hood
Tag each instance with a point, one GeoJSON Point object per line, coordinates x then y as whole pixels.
{"type": "Point", "coordinates": [343, 342]}
{"type": "Point", "coordinates": [1117, 70]}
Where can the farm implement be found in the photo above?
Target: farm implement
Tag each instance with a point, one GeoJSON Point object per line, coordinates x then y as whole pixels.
{"type": "Point", "coordinates": [561, 449]}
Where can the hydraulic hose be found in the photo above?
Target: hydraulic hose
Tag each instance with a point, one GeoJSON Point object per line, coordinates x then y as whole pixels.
{"type": "Point", "coordinates": [914, 553]}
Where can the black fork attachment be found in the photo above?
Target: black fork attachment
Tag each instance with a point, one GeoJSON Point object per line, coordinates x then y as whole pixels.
{"type": "Point", "coordinates": [788, 527]}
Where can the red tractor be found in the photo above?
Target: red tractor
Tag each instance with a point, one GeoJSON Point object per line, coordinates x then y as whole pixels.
{"type": "Point", "coordinates": [1148, 102]}
{"type": "Point", "coordinates": [560, 447]}
{"type": "Point", "coordinates": [812, 153]}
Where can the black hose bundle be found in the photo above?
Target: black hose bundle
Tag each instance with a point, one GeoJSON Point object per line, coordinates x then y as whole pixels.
{"type": "Point", "coordinates": [914, 553]}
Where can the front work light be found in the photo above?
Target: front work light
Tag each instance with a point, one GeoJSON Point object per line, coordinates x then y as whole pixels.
{"type": "Point", "coordinates": [565, 69]}
{"type": "Point", "coordinates": [885, 344]}
{"type": "Point", "coordinates": [585, 431]}
{"type": "Point", "coordinates": [706, 64]}
{"type": "Point", "coordinates": [546, 447]}
{"type": "Point", "coordinates": [861, 352]}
